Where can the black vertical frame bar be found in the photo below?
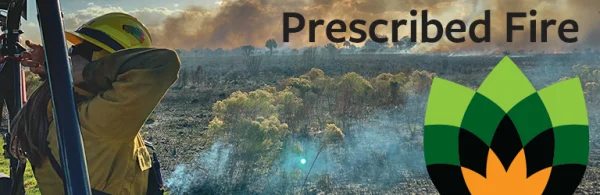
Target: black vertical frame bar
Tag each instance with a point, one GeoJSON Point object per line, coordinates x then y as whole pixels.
{"type": "Point", "coordinates": [14, 102]}
{"type": "Point", "coordinates": [72, 153]}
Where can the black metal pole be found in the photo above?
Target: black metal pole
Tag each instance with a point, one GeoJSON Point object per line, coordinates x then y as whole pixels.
{"type": "Point", "coordinates": [61, 87]}
{"type": "Point", "coordinates": [12, 36]}
{"type": "Point", "coordinates": [11, 33]}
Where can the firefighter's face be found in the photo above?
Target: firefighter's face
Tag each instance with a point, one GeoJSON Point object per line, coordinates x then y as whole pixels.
{"type": "Point", "coordinates": [80, 56]}
{"type": "Point", "coordinates": [78, 60]}
{"type": "Point", "coordinates": [78, 63]}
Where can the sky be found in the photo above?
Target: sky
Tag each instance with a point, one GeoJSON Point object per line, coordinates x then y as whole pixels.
{"type": "Point", "coordinates": [79, 11]}
{"type": "Point", "coordinates": [229, 24]}
{"type": "Point", "coordinates": [72, 6]}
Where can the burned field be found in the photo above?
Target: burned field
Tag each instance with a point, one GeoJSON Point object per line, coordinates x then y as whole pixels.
{"type": "Point", "coordinates": [322, 124]}
{"type": "Point", "coordinates": [379, 115]}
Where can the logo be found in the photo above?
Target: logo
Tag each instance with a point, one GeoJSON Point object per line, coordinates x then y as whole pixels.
{"type": "Point", "coordinates": [136, 32]}
{"type": "Point", "coordinates": [506, 137]}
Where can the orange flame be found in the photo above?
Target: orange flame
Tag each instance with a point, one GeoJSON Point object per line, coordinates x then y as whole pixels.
{"type": "Point", "coordinates": [555, 51]}
{"type": "Point", "coordinates": [501, 182]}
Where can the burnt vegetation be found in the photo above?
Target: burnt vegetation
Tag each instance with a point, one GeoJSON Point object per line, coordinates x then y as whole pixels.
{"type": "Point", "coordinates": [322, 120]}
{"type": "Point", "coordinates": [317, 120]}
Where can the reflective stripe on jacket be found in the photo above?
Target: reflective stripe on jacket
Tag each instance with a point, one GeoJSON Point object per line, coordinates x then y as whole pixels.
{"type": "Point", "coordinates": [123, 89]}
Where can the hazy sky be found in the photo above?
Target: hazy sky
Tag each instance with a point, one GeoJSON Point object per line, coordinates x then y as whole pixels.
{"type": "Point", "coordinates": [227, 24]}
{"type": "Point", "coordinates": [78, 11]}
{"type": "Point", "coordinates": [71, 6]}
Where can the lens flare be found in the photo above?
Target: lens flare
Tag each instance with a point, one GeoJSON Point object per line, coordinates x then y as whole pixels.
{"type": "Point", "coordinates": [303, 161]}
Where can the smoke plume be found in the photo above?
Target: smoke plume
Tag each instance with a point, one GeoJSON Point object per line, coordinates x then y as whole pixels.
{"type": "Point", "coordinates": [252, 22]}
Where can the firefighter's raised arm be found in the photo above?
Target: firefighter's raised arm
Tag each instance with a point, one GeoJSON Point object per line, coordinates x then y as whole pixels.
{"type": "Point", "coordinates": [129, 84]}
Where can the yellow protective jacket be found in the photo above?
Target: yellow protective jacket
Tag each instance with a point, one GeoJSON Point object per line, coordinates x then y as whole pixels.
{"type": "Point", "coordinates": [122, 90]}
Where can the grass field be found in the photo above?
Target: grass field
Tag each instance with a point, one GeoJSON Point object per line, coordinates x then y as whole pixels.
{"type": "Point", "coordinates": [31, 187]}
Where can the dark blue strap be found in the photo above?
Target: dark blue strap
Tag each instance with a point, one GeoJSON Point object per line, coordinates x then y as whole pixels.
{"type": "Point", "coordinates": [58, 169]}
{"type": "Point", "coordinates": [102, 37]}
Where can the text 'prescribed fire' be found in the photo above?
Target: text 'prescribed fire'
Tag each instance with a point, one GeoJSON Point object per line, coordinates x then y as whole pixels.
{"type": "Point", "coordinates": [454, 26]}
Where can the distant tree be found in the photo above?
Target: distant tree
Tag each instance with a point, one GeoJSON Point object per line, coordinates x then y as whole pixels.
{"type": "Point", "coordinates": [353, 96]}
{"type": "Point", "coordinates": [302, 85]}
{"type": "Point", "coordinates": [294, 51]}
{"type": "Point", "coordinates": [248, 50]}
{"type": "Point", "coordinates": [219, 51]}
{"type": "Point", "coordinates": [309, 55]}
{"type": "Point", "coordinates": [313, 74]}
{"type": "Point", "coordinates": [208, 52]}
{"type": "Point", "coordinates": [252, 62]}
{"type": "Point", "coordinates": [331, 49]}
{"type": "Point", "coordinates": [389, 90]}
{"type": "Point", "coordinates": [271, 44]}
{"type": "Point", "coordinates": [421, 81]}
{"type": "Point", "coordinates": [248, 123]}
{"type": "Point", "coordinates": [404, 44]}
{"type": "Point", "coordinates": [347, 44]}
{"type": "Point", "coordinates": [370, 44]}
{"type": "Point", "coordinates": [384, 44]}
{"type": "Point", "coordinates": [289, 107]}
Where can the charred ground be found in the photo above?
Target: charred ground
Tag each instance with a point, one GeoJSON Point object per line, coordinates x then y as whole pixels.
{"type": "Point", "coordinates": [381, 151]}
{"type": "Point", "coordinates": [180, 125]}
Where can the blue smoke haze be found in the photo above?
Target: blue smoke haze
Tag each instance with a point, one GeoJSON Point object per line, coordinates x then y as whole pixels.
{"type": "Point", "coordinates": [380, 150]}
{"type": "Point", "coordinates": [376, 151]}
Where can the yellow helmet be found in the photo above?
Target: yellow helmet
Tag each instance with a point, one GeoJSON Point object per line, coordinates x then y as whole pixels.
{"type": "Point", "coordinates": [112, 32]}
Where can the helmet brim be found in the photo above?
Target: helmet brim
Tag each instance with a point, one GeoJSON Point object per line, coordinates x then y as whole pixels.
{"type": "Point", "coordinates": [77, 38]}
{"type": "Point", "coordinates": [74, 39]}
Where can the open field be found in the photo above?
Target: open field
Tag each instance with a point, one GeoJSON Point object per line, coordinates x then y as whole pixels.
{"type": "Point", "coordinates": [208, 147]}
{"type": "Point", "coordinates": [180, 123]}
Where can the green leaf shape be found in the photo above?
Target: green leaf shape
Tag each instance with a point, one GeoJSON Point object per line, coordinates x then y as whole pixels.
{"type": "Point", "coordinates": [565, 103]}
{"type": "Point", "coordinates": [447, 103]}
{"type": "Point", "coordinates": [506, 85]}
{"type": "Point", "coordinates": [530, 118]}
{"type": "Point", "coordinates": [441, 144]}
{"type": "Point", "coordinates": [506, 90]}
{"type": "Point", "coordinates": [571, 145]}
{"type": "Point", "coordinates": [482, 118]}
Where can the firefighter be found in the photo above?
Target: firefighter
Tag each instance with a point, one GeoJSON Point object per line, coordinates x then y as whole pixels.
{"type": "Point", "coordinates": [119, 79]}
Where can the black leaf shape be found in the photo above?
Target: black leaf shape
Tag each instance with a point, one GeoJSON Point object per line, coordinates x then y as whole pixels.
{"type": "Point", "coordinates": [472, 152]}
{"type": "Point", "coordinates": [506, 142]}
{"type": "Point", "coordinates": [448, 179]}
{"type": "Point", "coordinates": [564, 179]}
{"type": "Point", "coordinates": [540, 152]}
